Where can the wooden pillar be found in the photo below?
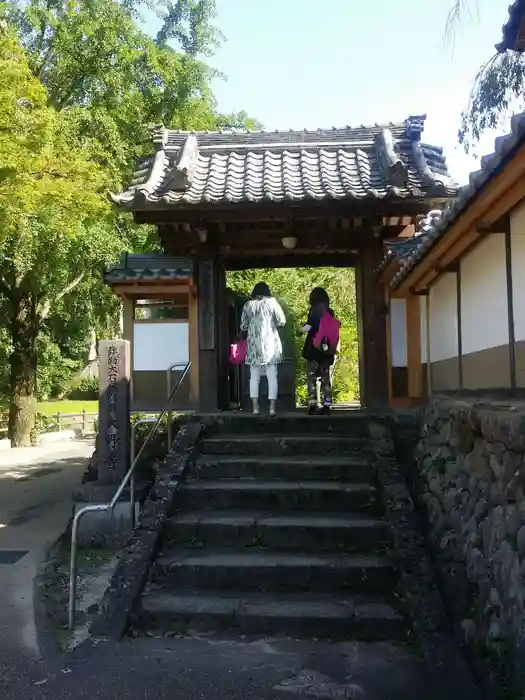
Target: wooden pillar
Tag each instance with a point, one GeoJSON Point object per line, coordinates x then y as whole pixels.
{"type": "Point", "coordinates": [372, 330]}
{"type": "Point", "coordinates": [413, 331]}
{"type": "Point", "coordinates": [128, 316]}
{"type": "Point", "coordinates": [207, 302]}
{"type": "Point", "coordinates": [213, 335]}
{"type": "Point", "coordinates": [193, 321]}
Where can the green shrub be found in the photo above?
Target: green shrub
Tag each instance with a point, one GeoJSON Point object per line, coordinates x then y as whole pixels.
{"type": "Point", "coordinates": [87, 389]}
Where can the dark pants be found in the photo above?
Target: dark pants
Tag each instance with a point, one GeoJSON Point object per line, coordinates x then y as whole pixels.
{"type": "Point", "coordinates": [319, 381]}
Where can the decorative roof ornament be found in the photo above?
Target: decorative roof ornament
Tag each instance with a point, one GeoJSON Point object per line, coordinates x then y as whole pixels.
{"type": "Point", "coordinates": [414, 127]}
{"type": "Point", "coordinates": [428, 222]}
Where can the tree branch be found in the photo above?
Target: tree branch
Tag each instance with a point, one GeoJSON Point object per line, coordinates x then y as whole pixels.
{"type": "Point", "coordinates": [45, 306]}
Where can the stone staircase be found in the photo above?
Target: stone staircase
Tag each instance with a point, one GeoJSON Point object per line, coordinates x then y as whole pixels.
{"type": "Point", "coordinates": [278, 531]}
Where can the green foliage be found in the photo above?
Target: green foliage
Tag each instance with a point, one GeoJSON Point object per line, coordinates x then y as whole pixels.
{"type": "Point", "coordinates": [81, 84]}
{"type": "Point", "coordinates": [292, 286]}
{"type": "Point", "coordinates": [54, 369]}
{"type": "Point", "coordinates": [498, 85]}
{"type": "Point", "coordinates": [86, 389]}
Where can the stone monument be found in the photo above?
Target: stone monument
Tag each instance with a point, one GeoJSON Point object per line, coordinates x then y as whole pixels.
{"type": "Point", "coordinates": [114, 404]}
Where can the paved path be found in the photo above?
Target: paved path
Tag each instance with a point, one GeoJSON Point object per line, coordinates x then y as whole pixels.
{"type": "Point", "coordinates": [35, 506]}
{"type": "Point", "coordinates": [203, 669]}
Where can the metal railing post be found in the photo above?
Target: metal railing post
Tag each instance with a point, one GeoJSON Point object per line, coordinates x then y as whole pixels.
{"type": "Point", "coordinates": [108, 507]}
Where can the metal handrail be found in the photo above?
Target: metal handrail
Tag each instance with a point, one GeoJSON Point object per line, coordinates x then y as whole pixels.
{"type": "Point", "coordinates": [169, 393]}
{"type": "Point", "coordinates": [108, 507]}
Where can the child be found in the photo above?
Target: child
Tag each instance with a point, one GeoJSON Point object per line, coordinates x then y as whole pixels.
{"type": "Point", "coordinates": [319, 351]}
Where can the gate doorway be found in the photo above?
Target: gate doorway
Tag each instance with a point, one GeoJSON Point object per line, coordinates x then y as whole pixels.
{"type": "Point", "coordinates": [291, 286]}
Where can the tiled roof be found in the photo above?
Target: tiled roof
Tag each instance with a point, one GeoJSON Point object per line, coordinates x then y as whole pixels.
{"type": "Point", "coordinates": [403, 248]}
{"type": "Point", "coordinates": [513, 30]}
{"type": "Point", "coordinates": [505, 146]}
{"type": "Point", "coordinates": [205, 168]}
{"type": "Point", "coordinates": [147, 267]}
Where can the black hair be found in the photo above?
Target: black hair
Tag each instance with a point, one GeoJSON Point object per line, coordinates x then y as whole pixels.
{"type": "Point", "coordinates": [261, 289]}
{"type": "Point", "coordinates": [318, 295]}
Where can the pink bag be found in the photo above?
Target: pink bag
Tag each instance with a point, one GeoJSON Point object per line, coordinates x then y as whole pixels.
{"type": "Point", "coordinates": [238, 352]}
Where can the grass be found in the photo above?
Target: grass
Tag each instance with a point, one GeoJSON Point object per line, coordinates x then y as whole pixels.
{"type": "Point", "coordinates": [48, 408]}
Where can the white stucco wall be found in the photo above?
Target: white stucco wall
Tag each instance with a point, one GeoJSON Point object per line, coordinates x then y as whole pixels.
{"type": "Point", "coordinates": [398, 332]}
{"type": "Point", "coordinates": [443, 318]}
{"type": "Point", "coordinates": [517, 243]}
{"type": "Point", "coordinates": [484, 315]}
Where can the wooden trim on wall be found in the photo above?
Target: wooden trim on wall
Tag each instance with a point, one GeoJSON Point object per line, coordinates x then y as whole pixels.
{"type": "Point", "coordinates": [458, 318]}
{"type": "Point", "coordinates": [389, 348]}
{"type": "Point", "coordinates": [429, 359]}
{"type": "Point", "coordinates": [413, 341]}
{"type": "Point", "coordinates": [510, 305]}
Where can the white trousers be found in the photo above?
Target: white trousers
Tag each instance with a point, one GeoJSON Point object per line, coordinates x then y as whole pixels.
{"type": "Point", "coordinates": [256, 372]}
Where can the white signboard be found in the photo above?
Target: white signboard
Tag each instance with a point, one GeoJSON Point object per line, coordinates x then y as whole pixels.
{"type": "Point", "coordinates": [156, 346]}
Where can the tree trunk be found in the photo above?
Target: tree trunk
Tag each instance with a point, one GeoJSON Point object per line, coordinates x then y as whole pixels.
{"type": "Point", "coordinates": [23, 363]}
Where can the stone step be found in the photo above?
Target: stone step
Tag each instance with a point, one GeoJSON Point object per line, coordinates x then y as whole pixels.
{"type": "Point", "coordinates": [278, 496]}
{"type": "Point", "coordinates": [278, 445]}
{"type": "Point", "coordinates": [348, 423]}
{"type": "Point", "coordinates": [287, 468]}
{"type": "Point", "coordinates": [302, 532]}
{"type": "Point", "coordinates": [301, 615]}
{"type": "Point", "coordinates": [260, 570]}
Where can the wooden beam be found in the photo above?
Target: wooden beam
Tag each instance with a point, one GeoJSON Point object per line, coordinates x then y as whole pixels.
{"type": "Point", "coordinates": [319, 259]}
{"type": "Point", "coordinates": [413, 339]}
{"type": "Point", "coordinates": [150, 291]}
{"type": "Point", "coordinates": [208, 212]}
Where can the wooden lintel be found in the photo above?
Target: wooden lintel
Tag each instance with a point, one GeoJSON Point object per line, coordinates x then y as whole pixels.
{"type": "Point", "coordinates": [150, 291]}
{"type": "Point", "coordinates": [319, 259]}
{"type": "Point", "coordinates": [250, 211]}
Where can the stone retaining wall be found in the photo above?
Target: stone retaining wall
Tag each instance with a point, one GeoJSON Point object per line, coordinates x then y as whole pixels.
{"type": "Point", "coordinates": [470, 462]}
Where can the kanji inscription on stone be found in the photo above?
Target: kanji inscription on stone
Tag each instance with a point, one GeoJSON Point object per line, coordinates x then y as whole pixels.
{"type": "Point", "coordinates": [114, 404]}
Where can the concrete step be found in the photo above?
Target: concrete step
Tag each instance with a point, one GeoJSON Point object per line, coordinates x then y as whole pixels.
{"type": "Point", "coordinates": [277, 445]}
{"type": "Point", "coordinates": [287, 468]}
{"type": "Point", "coordinates": [301, 532]}
{"type": "Point", "coordinates": [260, 570]}
{"type": "Point", "coordinates": [352, 424]}
{"type": "Point", "coordinates": [278, 496]}
{"type": "Point", "coordinates": [301, 615]}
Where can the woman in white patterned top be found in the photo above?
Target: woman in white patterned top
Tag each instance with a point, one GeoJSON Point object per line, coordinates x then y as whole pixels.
{"type": "Point", "coordinates": [261, 317]}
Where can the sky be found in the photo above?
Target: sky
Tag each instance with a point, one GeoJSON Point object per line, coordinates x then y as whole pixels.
{"type": "Point", "coordinates": [310, 64]}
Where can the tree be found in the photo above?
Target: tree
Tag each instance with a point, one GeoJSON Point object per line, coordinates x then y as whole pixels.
{"type": "Point", "coordinates": [498, 85]}
{"type": "Point", "coordinates": [55, 222]}
{"type": "Point", "coordinates": [82, 91]}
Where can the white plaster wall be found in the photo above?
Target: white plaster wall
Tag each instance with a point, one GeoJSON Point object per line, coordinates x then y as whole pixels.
{"type": "Point", "coordinates": [423, 317]}
{"type": "Point", "coordinates": [398, 332]}
{"type": "Point", "coordinates": [443, 318]}
{"type": "Point", "coordinates": [484, 316]}
{"type": "Point", "coordinates": [517, 244]}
